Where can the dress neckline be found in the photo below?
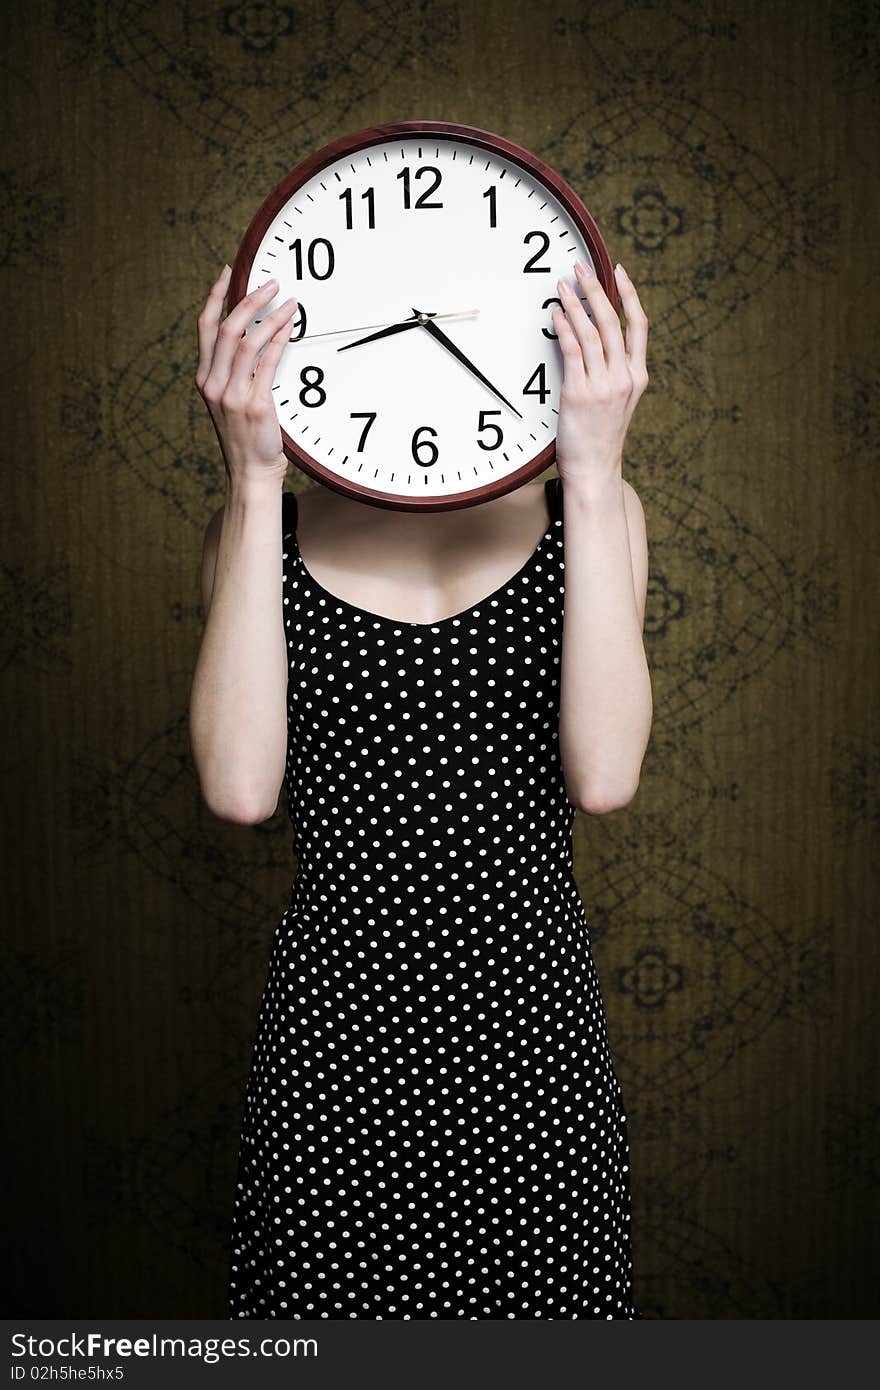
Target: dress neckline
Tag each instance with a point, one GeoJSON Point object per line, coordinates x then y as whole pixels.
{"type": "Point", "coordinates": [402, 623]}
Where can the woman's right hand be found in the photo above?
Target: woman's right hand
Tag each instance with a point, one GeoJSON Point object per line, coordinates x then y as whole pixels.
{"type": "Point", "coordinates": [236, 386]}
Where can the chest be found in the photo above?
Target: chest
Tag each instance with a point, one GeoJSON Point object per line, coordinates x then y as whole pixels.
{"type": "Point", "coordinates": [420, 592]}
{"type": "Point", "coordinates": [415, 594]}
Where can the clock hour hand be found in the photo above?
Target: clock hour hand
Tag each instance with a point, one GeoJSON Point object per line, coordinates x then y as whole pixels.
{"type": "Point", "coordinates": [414, 322]}
{"type": "Point", "coordinates": [447, 342]}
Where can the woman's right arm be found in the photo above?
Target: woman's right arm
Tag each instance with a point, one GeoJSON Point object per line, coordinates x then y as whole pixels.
{"type": "Point", "coordinates": [238, 698]}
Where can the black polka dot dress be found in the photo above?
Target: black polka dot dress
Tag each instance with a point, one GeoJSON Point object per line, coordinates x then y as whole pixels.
{"type": "Point", "coordinates": [433, 1126]}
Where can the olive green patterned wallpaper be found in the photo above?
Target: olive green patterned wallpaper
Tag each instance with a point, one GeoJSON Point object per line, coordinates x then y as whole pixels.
{"type": "Point", "coordinates": [729, 154]}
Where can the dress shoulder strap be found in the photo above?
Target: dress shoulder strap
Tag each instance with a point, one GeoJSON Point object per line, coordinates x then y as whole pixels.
{"type": "Point", "coordinates": [553, 489]}
{"type": "Point", "coordinates": [288, 514]}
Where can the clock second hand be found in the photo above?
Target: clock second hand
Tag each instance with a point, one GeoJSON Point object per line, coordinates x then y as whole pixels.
{"type": "Point", "coordinates": [364, 327]}
{"type": "Point", "coordinates": [407, 323]}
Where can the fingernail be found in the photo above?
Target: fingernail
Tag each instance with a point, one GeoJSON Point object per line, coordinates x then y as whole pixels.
{"type": "Point", "coordinates": [621, 269]}
{"type": "Point", "coordinates": [267, 284]}
{"type": "Point", "coordinates": [587, 269]}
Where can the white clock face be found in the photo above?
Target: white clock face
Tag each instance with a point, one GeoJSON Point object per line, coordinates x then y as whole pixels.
{"type": "Point", "coordinates": [439, 227]}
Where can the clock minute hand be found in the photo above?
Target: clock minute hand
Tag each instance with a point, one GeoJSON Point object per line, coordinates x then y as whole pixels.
{"type": "Point", "coordinates": [435, 332]}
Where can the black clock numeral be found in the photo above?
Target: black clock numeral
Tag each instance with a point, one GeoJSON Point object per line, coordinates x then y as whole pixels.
{"type": "Point", "coordinates": [530, 267]}
{"type": "Point", "coordinates": [314, 386]}
{"type": "Point", "coordinates": [542, 389]}
{"type": "Point", "coordinates": [548, 332]}
{"type": "Point", "coordinates": [421, 200]}
{"type": "Point", "coordinates": [493, 205]}
{"type": "Point", "coordinates": [484, 426]}
{"type": "Point", "coordinates": [296, 248]}
{"type": "Point", "coordinates": [424, 444]}
{"type": "Point", "coordinates": [369, 416]}
{"type": "Point", "coordinates": [299, 323]}
{"type": "Point", "coordinates": [346, 197]}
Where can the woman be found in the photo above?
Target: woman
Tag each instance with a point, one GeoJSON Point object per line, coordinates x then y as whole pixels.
{"type": "Point", "coordinates": [433, 1124]}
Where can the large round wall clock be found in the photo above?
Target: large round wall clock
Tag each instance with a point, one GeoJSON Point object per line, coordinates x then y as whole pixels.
{"type": "Point", "coordinates": [422, 369]}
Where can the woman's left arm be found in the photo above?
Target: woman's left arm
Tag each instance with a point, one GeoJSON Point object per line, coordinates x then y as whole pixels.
{"type": "Point", "coordinates": [606, 704]}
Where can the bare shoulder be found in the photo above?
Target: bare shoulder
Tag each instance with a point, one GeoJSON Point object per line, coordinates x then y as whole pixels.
{"type": "Point", "coordinates": [210, 546]}
{"type": "Point", "coordinates": [530, 498]}
{"type": "Point", "coordinates": [317, 500]}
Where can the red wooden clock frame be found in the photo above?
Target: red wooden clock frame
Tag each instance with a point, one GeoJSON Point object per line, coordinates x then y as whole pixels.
{"type": "Point", "coordinates": [363, 139]}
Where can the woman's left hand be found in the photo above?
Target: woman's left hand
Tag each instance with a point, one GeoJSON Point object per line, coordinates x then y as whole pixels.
{"type": "Point", "coordinates": [603, 379]}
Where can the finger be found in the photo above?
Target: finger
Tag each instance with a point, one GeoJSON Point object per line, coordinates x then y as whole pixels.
{"type": "Point", "coordinates": [232, 328]}
{"type": "Point", "coordinates": [636, 321]}
{"type": "Point", "coordinates": [245, 360]}
{"type": "Point", "coordinates": [605, 315]}
{"type": "Point", "coordinates": [209, 323]}
{"type": "Point", "coordinates": [574, 373]}
{"type": "Point", "coordinates": [586, 333]}
{"type": "Point", "coordinates": [264, 376]}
